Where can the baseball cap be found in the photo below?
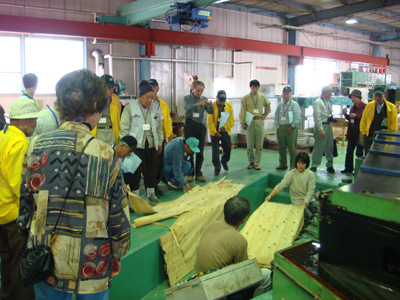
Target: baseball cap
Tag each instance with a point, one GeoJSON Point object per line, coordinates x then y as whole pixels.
{"type": "Point", "coordinates": [221, 95]}
{"type": "Point", "coordinates": [355, 93]}
{"type": "Point", "coordinates": [379, 89]}
{"type": "Point", "coordinates": [109, 80]}
{"type": "Point", "coordinates": [326, 88]}
{"type": "Point", "coordinates": [193, 144]}
{"type": "Point", "coordinates": [130, 141]}
{"type": "Point", "coordinates": [153, 82]}
{"type": "Point", "coordinates": [287, 89]}
{"type": "Point", "coordinates": [23, 108]}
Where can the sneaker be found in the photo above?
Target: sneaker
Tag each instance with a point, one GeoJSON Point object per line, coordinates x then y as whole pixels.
{"type": "Point", "coordinates": [330, 170]}
{"type": "Point", "coordinates": [189, 178]}
{"type": "Point", "coordinates": [158, 192]}
{"type": "Point", "coordinates": [345, 171]}
{"type": "Point", "coordinates": [173, 187]}
{"type": "Point", "coordinates": [225, 166]}
{"type": "Point", "coordinates": [201, 178]}
{"type": "Point", "coordinates": [257, 167]}
{"type": "Point", "coordinates": [281, 168]}
{"type": "Point", "coordinates": [153, 200]}
{"type": "Point", "coordinates": [216, 172]}
{"type": "Point", "coordinates": [313, 169]}
{"type": "Point", "coordinates": [250, 166]}
{"type": "Point", "coordinates": [164, 180]}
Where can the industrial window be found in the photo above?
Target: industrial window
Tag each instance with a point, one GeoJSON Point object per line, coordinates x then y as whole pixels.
{"type": "Point", "coordinates": [313, 75]}
{"type": "Point", "coordinates": [10, 71]}
{"type": "Point", "coordinates": [52, 58]}
{"type": "Point", "coordinates": [48, 57]}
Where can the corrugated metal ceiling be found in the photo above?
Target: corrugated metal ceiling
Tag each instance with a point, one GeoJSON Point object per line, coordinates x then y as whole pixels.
{"type": "Point", "coordinates": [381, 24]}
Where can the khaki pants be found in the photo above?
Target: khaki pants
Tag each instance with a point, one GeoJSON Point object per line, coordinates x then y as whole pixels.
{"type": "Point", "coordinates": [255, 136]}
{"type": "Point", "coordinates": [322, 144]}
{"type": "Point", "coordinates": [288, 141]}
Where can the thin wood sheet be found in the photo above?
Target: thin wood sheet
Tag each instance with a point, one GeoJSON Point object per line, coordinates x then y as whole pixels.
{"type": "Point", "coordinates": [180, 244]}
{"type": "Point", "coordinates": [272, 227]}
{"type": "Point", "coordinates": [189, 201]}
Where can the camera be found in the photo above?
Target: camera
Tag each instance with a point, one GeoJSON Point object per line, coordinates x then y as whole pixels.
{"type": "Point", "coordinates": [331, 119]}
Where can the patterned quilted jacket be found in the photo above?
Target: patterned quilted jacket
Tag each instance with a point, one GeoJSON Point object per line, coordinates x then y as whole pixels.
{"type": "Point", "coordinates": [94, 226]}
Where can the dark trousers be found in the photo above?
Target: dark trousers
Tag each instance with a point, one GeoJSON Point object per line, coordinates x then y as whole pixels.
{"type": "Point", "coordinates": [161, 164]}
{"type": "Point", "coordinates": [351, 145]}
{"type": "Point", "coordinates": [148, 168]}
{"type": "Point", "coordinates": [226, 149]}
{"type": "Point", "coordinates": [368, 141]}
{"type": "Point", "coordinates": [197, 130]}
{"type": "Point", "coordinates": [11, 244]}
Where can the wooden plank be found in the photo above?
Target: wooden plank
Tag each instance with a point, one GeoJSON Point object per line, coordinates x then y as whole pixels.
{"type": "Point", "coordinates": [204, 205]}
{"type": "Point", "coordinates": [272, 227]}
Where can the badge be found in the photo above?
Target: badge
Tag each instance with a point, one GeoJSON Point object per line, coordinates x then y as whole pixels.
{"type": "Point", "coordinates": [283, 119]}
{"type": "Point", "coordinates": [384, 122]}
{"type": "Point", "coordinates": [146, 127]}
{"type": "Point", "coordinates": [103, 121]}
{"type": "Point", "coordinates": [219, 120]}
{"type": "Point", "coordinates": [255, 111]}
{"type": "Point", "coordinates": [352, 121]}
{"type": "Point", "coordinates": [196, 115]}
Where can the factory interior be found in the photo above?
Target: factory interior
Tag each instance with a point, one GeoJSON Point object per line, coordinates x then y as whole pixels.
{"type": "Point", "coordinates": [350, 247]}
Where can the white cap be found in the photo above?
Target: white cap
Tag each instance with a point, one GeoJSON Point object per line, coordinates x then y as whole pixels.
{"type": "Point", "coordinates": [23, 108]}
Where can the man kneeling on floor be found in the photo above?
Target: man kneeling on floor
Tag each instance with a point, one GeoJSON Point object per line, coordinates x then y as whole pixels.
{"type": "Point", "coordinates": [176, 165]}
{"type": "Point", "coordinates": [221, 244]}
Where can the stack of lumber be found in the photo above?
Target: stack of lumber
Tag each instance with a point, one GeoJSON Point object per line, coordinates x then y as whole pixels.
{"type": "Point", "coordinates": [272, 227]}
{"type": "Point", "coordinates": [196, 209]}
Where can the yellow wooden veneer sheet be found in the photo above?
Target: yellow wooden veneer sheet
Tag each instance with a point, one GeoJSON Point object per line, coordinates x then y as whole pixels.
{"type": "Point", "coordinates": [272, 227]}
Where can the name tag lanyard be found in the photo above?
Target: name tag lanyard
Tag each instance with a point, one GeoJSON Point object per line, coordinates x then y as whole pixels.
{"type": "Point", "coordinates": [255, 103]}
{"type": "Point", "coordinates": [327, 106]}
{"type": "Point", "coordinates": [55, 117]}
{"type": "Point", "coordinates": [147, 112]}
{"type": "Point", "coordinates": [284, 113]}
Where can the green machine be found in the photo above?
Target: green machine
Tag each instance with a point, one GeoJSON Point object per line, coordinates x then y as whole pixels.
{"type": "Point", "coordinates": [358, 254]}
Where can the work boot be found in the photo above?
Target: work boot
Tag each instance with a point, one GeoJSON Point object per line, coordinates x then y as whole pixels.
{"type": "Point", "coordinates": [216, 172]}
{"type": "Point", "coordinates": [201, 178]}
{"type": "Point", "coordinates": [153, 200]}
{"type": "Point", "coordinates": [257, 167]}
{"type": "Point", "coordinates": [225, 165]}
{"type": "Point", "coordinates": [330, 170]}
{"type": "Point", "coordinates": [250, 166]}
{"type": "Point", "coordinates": [158, 192]}
{"type": "Point", "coordinates": [189, 178]}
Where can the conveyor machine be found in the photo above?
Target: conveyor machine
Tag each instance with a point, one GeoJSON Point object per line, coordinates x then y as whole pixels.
{"type": "Point", "coordinates": [358, 255]}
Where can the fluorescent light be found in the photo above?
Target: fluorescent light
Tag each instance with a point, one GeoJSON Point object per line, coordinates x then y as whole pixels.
{"type": "Point", "coordinates": [220, 1]}
{"type": "Point", "coordinates": [351, 21]}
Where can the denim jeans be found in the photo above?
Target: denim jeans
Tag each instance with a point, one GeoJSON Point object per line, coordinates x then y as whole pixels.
{"type": "Point", "coordinates": [44, 292]}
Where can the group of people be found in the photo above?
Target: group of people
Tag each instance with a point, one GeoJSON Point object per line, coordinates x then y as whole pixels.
{"type": "Point", "coordinates": [71, 195]}
{"type": "Point", "coordinates": [79, 171]}
{"type": "Point", "coordinates": [365, 120]}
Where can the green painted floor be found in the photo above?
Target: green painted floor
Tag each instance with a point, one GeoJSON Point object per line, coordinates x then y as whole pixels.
{"type": "Point", "coordinates": [238, 174]}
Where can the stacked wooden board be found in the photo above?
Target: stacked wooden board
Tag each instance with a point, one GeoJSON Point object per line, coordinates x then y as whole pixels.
{"type": "Point", "coordinates": [197, 209]}
{"type": "Point", "coordinates": [272, 227]}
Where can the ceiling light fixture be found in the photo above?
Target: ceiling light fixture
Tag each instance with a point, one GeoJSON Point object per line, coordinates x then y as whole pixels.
{"type": "Point", "coordinates": [220, 1]}
{"type": "Point", "coordinates": [351, 21]}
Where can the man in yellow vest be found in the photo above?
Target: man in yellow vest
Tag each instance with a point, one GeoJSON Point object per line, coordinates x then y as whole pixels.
{"type": "Point", "coordinates": [162, 106]}
{"type": "Point", "coordinates": [23, 114]}
{"type": "Point", "coordinates": [378, 114]}
{"type": "Point", "coordinates": [220, 124]}
{"type": "Point", "coordinates": [107, 130]}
